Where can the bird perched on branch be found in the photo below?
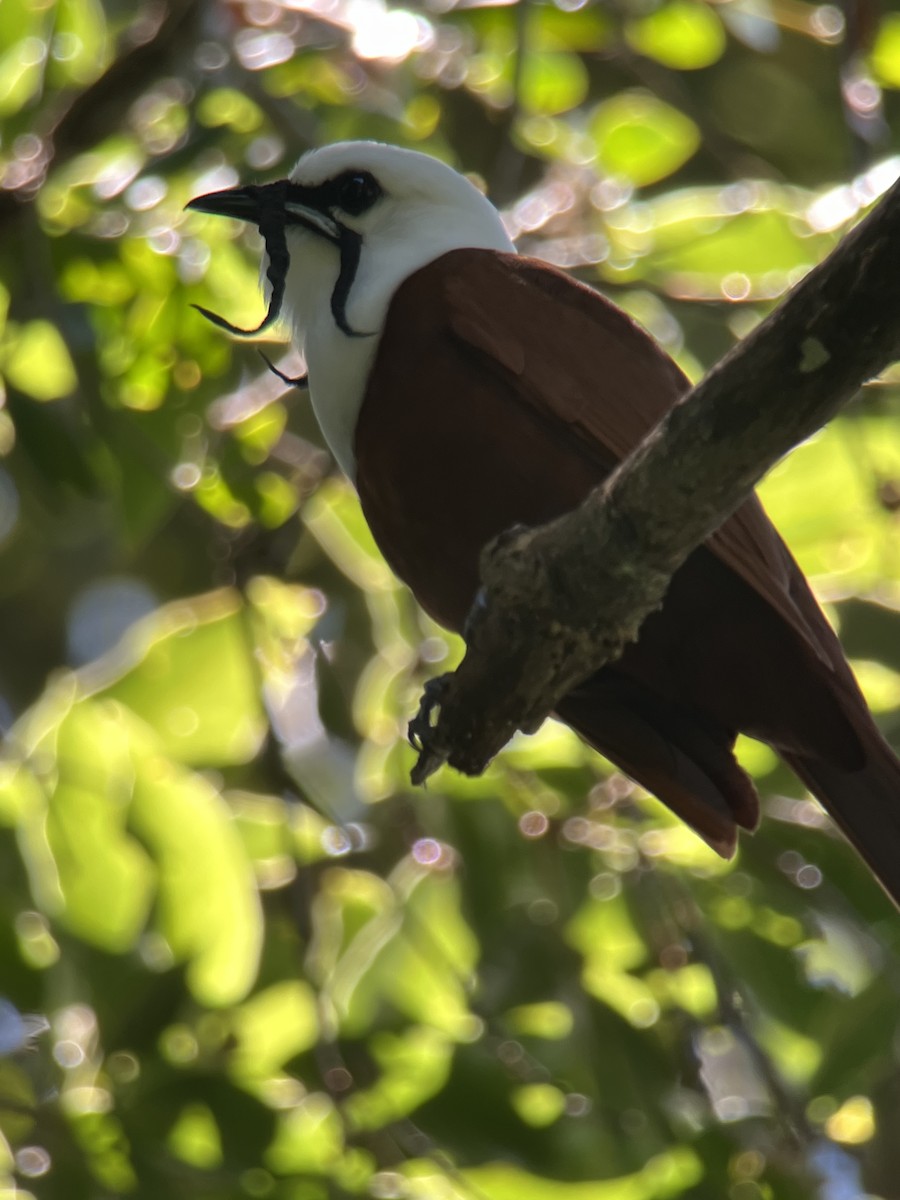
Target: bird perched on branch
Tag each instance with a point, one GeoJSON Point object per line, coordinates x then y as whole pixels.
{"type": "Point", "coordinates": [465, 389]}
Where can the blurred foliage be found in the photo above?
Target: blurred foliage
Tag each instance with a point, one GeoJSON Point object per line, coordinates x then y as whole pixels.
{"type": "Point", "coordinates": [239, 955]}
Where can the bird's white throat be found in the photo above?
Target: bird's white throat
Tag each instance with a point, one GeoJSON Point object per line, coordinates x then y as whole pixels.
{"type": "Point", "coordinates": [427, 210]}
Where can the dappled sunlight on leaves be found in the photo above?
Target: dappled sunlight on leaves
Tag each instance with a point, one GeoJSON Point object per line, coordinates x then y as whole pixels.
{"type": "Point", "coordinates": [239, 954]}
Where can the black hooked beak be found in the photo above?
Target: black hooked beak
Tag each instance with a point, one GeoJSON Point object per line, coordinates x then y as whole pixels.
{"type": "Point", "coordinates": [242, 203]}
{"type": "Point", "coordinates": [272, 207]}
{"type": "Point", "coordinates": [254, 203]}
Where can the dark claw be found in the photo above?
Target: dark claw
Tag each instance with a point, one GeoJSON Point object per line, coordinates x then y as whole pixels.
{"type": "Point", "coordinates": [421, 726]}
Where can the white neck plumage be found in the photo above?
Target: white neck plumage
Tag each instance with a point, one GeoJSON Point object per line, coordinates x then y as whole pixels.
{"type": "Point", "coordinates": [428, 210]}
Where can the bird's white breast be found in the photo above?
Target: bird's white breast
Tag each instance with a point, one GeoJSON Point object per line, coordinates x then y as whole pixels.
{"type": "Point", "coordinates": [338, 368]}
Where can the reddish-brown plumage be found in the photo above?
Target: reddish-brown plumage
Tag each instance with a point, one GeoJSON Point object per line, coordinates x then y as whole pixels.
{"type": "Point", "coordinates": [502, 391]}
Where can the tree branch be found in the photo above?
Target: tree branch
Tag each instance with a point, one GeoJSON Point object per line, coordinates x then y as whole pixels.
{"type": "Point", "coordinates": [560, 601]}
{"type": "Point", "coordinates": [150, 43]}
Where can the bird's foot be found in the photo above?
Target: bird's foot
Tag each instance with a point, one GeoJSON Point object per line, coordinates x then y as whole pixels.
{"type": "Point", "coordinates": [420, 732]}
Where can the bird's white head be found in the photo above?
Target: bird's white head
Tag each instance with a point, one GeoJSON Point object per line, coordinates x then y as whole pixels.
{"type": "Point", "coordinates": [407, 210]}
{"type": "Point", "coordinates": [349, 225]}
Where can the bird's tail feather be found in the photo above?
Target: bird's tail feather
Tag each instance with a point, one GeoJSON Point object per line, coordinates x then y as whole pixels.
{"type": "Point", "coordinates": [864, 804]}
{"type": "Point", "coordinates": [689, 767]}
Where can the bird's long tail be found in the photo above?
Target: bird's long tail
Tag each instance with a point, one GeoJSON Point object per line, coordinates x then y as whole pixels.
{"type": "Point", "coordinates": [667, 749]}
{"type": "Point", "coordinates": [864, 804]}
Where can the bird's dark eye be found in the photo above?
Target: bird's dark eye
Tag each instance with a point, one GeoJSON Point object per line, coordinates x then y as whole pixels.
{"type": "Point", "coordinates": [357, 191]}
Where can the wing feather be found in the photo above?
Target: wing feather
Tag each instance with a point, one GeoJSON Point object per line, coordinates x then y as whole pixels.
{"type": "Point", "coordinates": [502, 391]}
{"type": "Point", "coordinates": [578, 359]}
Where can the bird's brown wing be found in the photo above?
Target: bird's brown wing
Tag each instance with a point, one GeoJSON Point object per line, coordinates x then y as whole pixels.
{"type": "Point", "coordinates": [580, 360]}
{"type": "Point", "coordinates": [502, 391]}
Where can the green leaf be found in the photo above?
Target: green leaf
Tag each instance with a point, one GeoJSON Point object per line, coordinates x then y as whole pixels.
{"type": "Point", "coordinates": [550, 1019]}
{"type": "Point", "coordinates": [832, 524]}
{"type": "Point", "coordinates": [278, 499]}
{"type": "Point", "coordinates": [228, 106]}
{"type": "Point", "coordinates": [603, 929]}
{"type": "Point", "coordinates": [35, 359]}
{"type": "Point", "coordinates": [101, 283]}
{"type": "Point", "coordinates": [105, 877]}
{"type": "Point", "coordinates": [642, 139]}
{"type": "Point", "coordinates": [335, 519]}
{"type": "Point", "coordinates": [414, 1066]}
{"type": "Point", "coordinates": [231, 285]}
{"type": "Point", "coordinates": [209, 910]}
{"type": "Point", "coordinates": [18, 1103]}
{"type": "Point", "coordinates": [665, 1177]}
{"type": "Point", "coordinates": [214, 495]}
{"type": "Point", "coordinates": [188, 672]}
{"type": "Point", "coordinates": [539, 1104]}
{"type": "Point", "coordinates": [260, 431]}
{"type": "Point", "coordinates": [552, 83]}
{"type": "Point", "coordinates": [195, 1138]}
{"type": "Point", "coordinates": [310, 1138]}
{"type": "Point", "coordinates": [272, 1027]}
{"type": "Point", "coordinates": [371, 952]}
{"type": "Point", "coordinates": [587, 28]}
{"type": "Point", "coordinates": [21, 72]}
{"type": "Point", "coordinates": [885, 56]}
{"type": "Point", "coordinates": [764, 247]}
{"type": "Point", "coordinates": [681, 35]}
{"type": "Point", "coordinates": [78, 49]}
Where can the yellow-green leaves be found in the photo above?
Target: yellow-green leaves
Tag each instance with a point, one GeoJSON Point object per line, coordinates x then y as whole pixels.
{"type": "Point", "coordinates": [35, 359]}
{"type": "Point", "coordinates": [78, 48]}
{"type": "Point", "coordinates": [118, 836]}
{"type": "Point", "coordinates": [552, 82]}
{"type": "Point", "coordinates": [682, 35]}
{"type": "Point", "coordinates": [23, 54]}
{"type": "Point", "coordinates": [227, 106]}
{"type": "Point", "coordinates": [208, 911]}
{"type": "Point", "coordinates": [272, 1027]}
{"type": "Point", "coordinates": [192, 680]}
{"type": "Point", "coordinates": [270, 967]}
{"type": "Point", "coordinates": [886, 51]}
{"type": "Point", "coordinates": [641, 138]}
{"type": "Point", "coordinates": [113, 830]}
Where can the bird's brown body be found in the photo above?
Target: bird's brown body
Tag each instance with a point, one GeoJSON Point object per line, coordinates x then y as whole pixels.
{"type": "Point", "coordinates": [501, 393]}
